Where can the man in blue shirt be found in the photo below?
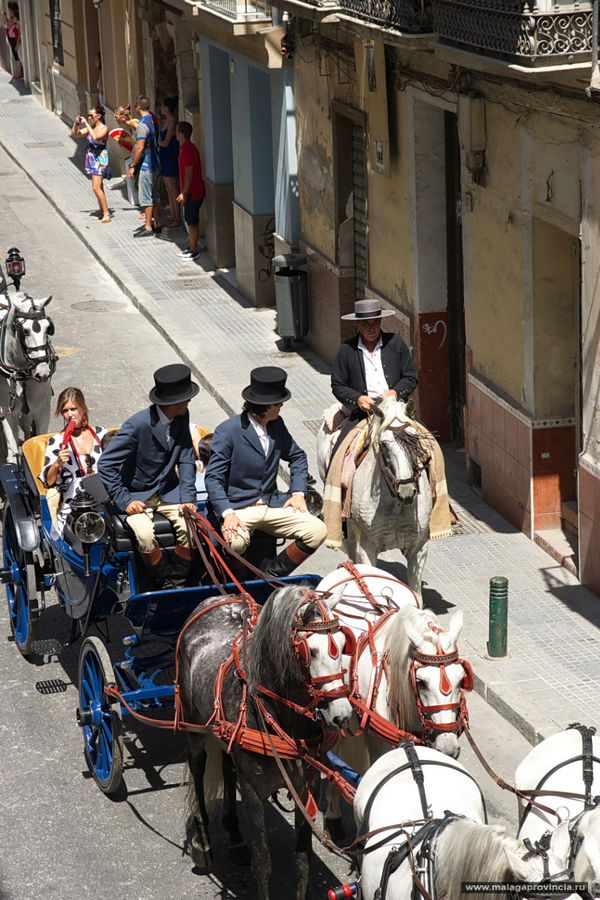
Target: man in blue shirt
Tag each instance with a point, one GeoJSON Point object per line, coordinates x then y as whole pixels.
{"type": "Point", "coordinates": [145, 161]}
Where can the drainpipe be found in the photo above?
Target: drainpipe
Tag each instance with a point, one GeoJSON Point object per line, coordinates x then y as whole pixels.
{"type": "Point", "coordinates": [594, 85]}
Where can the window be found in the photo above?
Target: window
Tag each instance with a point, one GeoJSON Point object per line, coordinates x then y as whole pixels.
{"type": "Point", "coordinates": [56, 26]}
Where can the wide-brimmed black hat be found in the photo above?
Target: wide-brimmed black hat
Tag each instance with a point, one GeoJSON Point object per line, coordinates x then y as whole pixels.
{"type": "Point", "coordinates": [173, 384]}
{"type": "Point", "coordinates": [370, 308]}
{"type": "Point", "coordinates": [267, 385]}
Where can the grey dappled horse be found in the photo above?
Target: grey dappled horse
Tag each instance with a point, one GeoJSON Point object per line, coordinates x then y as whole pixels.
{"type": "Point", "coordinates": [27, 363]}
{"type": "Point", "coordinates": [295, 640]}
{"type": "Point", "coordinates": [391, 496]}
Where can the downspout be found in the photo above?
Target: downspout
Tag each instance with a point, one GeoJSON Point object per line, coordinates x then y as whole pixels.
{"type": "Point", "coordinates": [594, 85]}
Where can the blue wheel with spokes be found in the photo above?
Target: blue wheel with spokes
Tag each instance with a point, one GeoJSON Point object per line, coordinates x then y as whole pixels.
{"type": "Point", "coordinates": [20, 579]}
{"type": "Point", "coordinates": [99, 716]}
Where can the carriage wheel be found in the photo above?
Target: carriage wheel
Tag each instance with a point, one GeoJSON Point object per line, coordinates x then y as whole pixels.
{"type": "Point", "coordinates": [99, 717]}
{"type": "Point", "coordinates": [20, 574]}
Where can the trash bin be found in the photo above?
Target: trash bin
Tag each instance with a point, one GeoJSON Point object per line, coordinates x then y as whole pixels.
{"type": "Point", "coordinates": [291, 297]}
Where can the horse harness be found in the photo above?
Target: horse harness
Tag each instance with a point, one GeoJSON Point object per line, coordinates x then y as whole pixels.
{"type": "Point", "coordinates": [44, 354]}
{"type": "Point", "coordinates": [419, 847]}
{"type": "Point", "coordinates": [365, 706]}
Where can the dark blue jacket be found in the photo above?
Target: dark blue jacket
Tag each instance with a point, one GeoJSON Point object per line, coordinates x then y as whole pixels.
{"type": "Point", "coordinates": [238, 472]}
{"type": "Point", "coordinates": [138, 463]}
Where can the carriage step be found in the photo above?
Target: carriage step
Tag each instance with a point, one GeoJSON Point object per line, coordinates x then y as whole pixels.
{"type": "Point", "coordinates": [51, 686]}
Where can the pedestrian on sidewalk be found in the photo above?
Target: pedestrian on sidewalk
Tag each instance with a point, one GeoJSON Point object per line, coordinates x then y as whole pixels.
{"type": "Point", "coordinates": [96, 161]}
{"type": "Point", "coordinates": [241, 476]}
{"type": "Point", "coordinates": [168, 151]}
{"type": "Point", "coordinates": [146, 162]}
{"type": "Point", "coordinates": [149, 467]}
{"type": "Point", "coordinates": [13, 35]}
{"type": "Point", "coordinates": [192, 186]}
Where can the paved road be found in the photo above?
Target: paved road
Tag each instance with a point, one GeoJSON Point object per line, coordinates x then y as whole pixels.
{"type": "Point", "coordinates": [61, 838]}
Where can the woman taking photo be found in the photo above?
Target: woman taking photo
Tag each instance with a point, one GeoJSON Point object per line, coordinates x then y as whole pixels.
{"type": "Point", "coordinates": [73, 453]}
{"type": "Point", "coordinates": [96, 160]}
{"type": "Point", "coordinates": [168, 153]}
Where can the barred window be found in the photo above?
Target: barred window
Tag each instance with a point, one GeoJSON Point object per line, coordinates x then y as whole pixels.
{"type": "Point", "coordinates": [56, 26]}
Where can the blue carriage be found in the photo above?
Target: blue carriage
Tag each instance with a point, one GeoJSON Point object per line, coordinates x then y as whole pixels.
{"type": "Point", "coordinates": [96, 574]}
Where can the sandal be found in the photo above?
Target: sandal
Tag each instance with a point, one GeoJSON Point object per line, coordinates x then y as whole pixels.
{"type": "Point", "coordinates": [106, 219]}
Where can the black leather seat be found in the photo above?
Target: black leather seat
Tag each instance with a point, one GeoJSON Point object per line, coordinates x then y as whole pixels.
{"type": "Point", "coordinates": [122, 536]}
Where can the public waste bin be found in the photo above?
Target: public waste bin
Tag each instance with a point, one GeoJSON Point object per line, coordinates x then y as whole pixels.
{"type": "Point", "coordinates": [291, 297]}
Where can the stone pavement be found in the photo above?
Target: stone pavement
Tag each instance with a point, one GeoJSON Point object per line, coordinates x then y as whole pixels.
{"type": "Point", "coordinates": [552, 674]}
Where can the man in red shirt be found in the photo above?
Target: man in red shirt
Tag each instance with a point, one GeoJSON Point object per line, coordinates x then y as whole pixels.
{"type": "Point", "coordinates": [192, 186]}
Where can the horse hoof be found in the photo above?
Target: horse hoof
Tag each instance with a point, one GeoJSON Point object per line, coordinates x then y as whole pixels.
{"type": "Point", "coordinates": [335, 831]}
{"type": "Point", "coordinates": [201, 853]}
{"type": "Point", "coordinates": [240, 854]}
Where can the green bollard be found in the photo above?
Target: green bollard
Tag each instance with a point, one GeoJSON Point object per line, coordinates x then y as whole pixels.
{"type": "Point", "coordinates": [498, 616]}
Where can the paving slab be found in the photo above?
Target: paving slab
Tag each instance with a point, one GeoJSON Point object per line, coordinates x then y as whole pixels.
{"type": "Point", "coordinates": [551, 675]}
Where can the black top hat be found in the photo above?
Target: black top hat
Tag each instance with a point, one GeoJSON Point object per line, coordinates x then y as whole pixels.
{"type": "Point", "coordinates": [267, 385]}
{"type": "Point", "coordinates": [369, 308]}
{"type": "Point", "coordinates": [173, 384]}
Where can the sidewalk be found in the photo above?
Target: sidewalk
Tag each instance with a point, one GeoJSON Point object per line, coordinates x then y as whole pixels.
{"type": "Point", "coordinates": [552, 674]}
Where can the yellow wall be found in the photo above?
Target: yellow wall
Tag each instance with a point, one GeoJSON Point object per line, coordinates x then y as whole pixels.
{"type": "Point", "coordinates": [494, 309]}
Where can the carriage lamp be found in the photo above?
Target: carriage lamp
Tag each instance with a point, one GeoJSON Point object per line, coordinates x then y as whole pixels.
{"type": "Point", "coordinates": [14, 263]}
{"type": "Point", "coordinates": [86, 523]}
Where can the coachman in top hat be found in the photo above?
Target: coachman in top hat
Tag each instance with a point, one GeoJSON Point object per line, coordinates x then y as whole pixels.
{"type": "Point", "coordinates": [149, 467]}
{"type": "Point", "coordinates": [241, 476]}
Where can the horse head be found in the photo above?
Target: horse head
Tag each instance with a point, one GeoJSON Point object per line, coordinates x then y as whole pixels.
{"type": "Point", "coordinates": [396, 443]}
{"type": "Point", "coordinates": [438, 676]}
{"type": "Point", "coordinates": [33, 329]}
{"type": "Point", "coordinates": [319, 643]}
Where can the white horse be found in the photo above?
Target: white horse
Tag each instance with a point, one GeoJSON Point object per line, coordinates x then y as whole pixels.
{"type": "Point", "coordinates": [27, 363]}
{"type": "Point", "coordinates": [391, 496]}
{"type": "Point", "coordinates": [404, 676]}
{"type": "Point", "coordinates": [445, 823]}
{"type": "Point", "coordinates": [568, 761]}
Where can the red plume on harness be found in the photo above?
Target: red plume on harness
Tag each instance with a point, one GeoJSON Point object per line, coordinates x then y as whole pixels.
{"type": "Point", "coordinates": [68, 434]}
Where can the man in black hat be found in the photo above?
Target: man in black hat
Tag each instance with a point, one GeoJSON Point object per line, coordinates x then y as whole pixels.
{"type": "Point", "coordinates": [241, 476]}
{"type": "Point", "coordinates": [374, 364]}
{"type": "Point", "coordinates": [149, 466]}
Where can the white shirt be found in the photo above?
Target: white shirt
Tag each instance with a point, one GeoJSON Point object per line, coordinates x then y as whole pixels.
{"type": "Point", "coordinates": [166, 424]}
{"type": "Point", "coordinates": [374, 377]}
{"type": "Point", "coordinates": [263, 435]}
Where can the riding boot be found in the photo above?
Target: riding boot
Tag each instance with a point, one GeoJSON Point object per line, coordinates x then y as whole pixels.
{"type": "Point", "coordinates": [158, 568]}
{"type": "Point", "coordinates": [181, 566]}
{"type": "Point", "coordinates": [287, 561]}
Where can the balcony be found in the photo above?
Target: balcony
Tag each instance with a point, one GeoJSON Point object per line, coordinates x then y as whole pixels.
{"type": "Point", "coordinates": [519, 31]}
{"type": "Point", "coordinates": [238, 10]}
{"type": "Point", "coordinates": [412, 16]}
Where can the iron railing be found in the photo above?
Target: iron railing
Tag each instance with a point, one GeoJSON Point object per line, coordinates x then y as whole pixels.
{"type": "Point", "coordinates": [413, 16]}
{"type": "Point", "coordinates": [241, 10]}
{"type": "Point", "coordinates": [516, 29]}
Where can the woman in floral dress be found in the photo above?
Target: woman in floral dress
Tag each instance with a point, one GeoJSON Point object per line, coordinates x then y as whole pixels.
{"type": "Point", "coordinates": [96, 161]}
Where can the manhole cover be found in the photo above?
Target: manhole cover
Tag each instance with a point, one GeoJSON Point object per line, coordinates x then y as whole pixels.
{"type": "Point", "coordinates": [34, 145]}
{"type": "Point", "coordinates": [96, 306]}
{"type": "Point", "coordinates": [51, 686]}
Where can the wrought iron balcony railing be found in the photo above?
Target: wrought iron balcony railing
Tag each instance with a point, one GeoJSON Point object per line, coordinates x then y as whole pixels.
{"type": "Point", "coordinates": [240, 10]}
{"type": "Point", "coordinates": [413, 16]}
{"type": "Point", "coordinates": [517, 30]}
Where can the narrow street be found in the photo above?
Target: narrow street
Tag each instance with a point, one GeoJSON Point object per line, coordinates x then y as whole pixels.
{"type": "Point", "coordinates": [63, 839]}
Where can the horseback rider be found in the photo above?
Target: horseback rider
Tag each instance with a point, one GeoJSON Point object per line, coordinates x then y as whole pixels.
{"type": "Point", "coordinates": [241, 476]}
{"type": "Point", "coordinates": [373, 364]}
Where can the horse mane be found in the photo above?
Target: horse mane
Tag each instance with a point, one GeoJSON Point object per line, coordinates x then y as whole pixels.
{"type": "Point", "coordinates": [408, 439]}
{"type": "Point", "coordinates": [468, 851]}
{"type": "Point", "coordinates": [273, 661]}
{"type": "Point", "coordinates": [589, 823]}
{"type": "Point", "coordinates": [400, 697]}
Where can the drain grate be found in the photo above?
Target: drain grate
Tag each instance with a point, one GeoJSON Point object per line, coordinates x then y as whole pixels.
{"type": "Point", "coordinates": [47, 647]}
{"type": "Point", "coordinates": [51, 686]}
{"type": "Point", "coordinates": [35, 145]}
{"type": "Point", "coordinates": [185, 284]}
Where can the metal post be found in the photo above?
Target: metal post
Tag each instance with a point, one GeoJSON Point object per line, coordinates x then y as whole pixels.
{"type": "Point", "coordinates": [498, 616]}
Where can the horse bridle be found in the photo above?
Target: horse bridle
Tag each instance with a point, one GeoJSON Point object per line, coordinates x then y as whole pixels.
{"type": "Point", "coordinates": [388, 476]}
{"type": "Point", "coordinates": [318, 695]}
{"type": "Point", "coordinates": [46, 349]}
{"type": "Point", "coordinates": [441, 660]}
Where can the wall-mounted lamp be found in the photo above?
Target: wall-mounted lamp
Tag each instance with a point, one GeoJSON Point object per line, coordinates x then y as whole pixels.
{"type": "Point", "coordinates": [471, 130]}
